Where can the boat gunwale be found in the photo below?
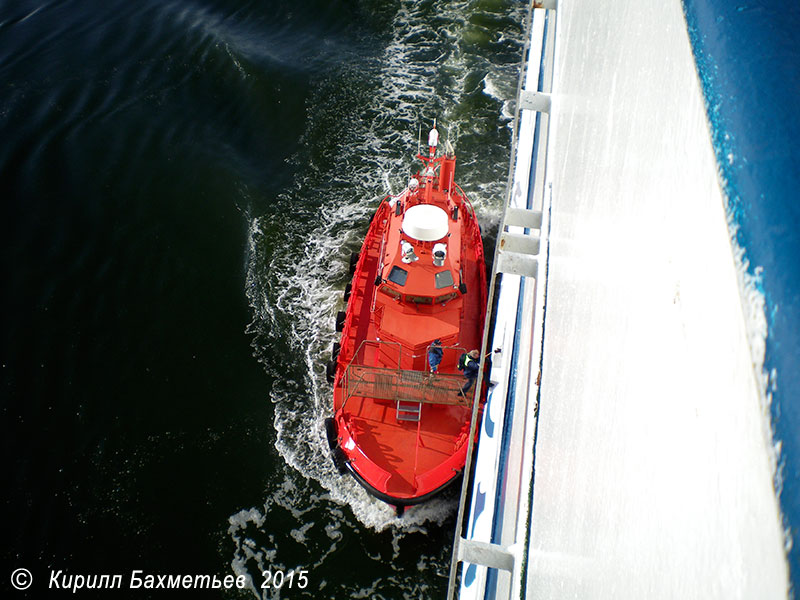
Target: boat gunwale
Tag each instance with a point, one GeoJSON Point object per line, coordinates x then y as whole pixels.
{"type": "Point", "coordinates": [384, 497]}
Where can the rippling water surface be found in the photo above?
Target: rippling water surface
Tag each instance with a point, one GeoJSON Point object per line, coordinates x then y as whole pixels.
{"type": "Point", "coordinates": [181, 185]}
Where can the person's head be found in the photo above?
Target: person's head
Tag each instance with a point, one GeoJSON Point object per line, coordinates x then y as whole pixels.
{"type": "Point", "coordinates": [474, 353]}
{"type": "Point", "coordinates": [437, 342]}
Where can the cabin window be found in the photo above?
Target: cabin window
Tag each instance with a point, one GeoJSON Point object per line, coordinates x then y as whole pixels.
{"type": "Point", "coordinates": [419, 299]}
{"type": "Point", "coordinates": [389, 291]}
{"type": "Point", "coordinates": [398, 276]}
{"type": "Point", "coordinates": [444, 279]}
{"type": "Point", "coordinates": [446, 297]}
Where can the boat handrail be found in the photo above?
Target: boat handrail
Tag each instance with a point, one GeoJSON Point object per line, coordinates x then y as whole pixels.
{"type": "Point", "coordinates": [448, 353]}
{"type": "Point", "coordinates": [464, 196]}
{"type": "Point", "coordinates": [360, 358]}
{"type": "Point", "coordinates": [379, 271]}
{"type": "Point", "coordinates": [404, 385]}
{"type": "Point", "coordinates": [397, 384]}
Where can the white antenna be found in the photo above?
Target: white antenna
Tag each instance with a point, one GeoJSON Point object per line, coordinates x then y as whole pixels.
{"type": "Point", "coordinates": [433, 138]}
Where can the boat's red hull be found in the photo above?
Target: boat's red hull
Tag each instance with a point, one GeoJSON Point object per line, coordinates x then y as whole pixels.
{"type": "Point", "coordinates": [400, 429]}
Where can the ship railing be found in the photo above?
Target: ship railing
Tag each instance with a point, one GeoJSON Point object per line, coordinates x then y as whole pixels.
{"type": "Point", "coordinates": [398, 384]}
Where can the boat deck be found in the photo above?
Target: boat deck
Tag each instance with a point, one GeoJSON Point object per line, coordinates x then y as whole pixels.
{"type": "Point", "coordinates": [374, 426]}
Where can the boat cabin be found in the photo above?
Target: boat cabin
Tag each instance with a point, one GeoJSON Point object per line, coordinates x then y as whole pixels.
{"type": "Point", "coordinates": [422, 258]}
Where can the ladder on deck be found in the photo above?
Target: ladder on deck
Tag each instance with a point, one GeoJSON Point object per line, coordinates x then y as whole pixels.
{"type": "Point", "coordinates": [408, 411]}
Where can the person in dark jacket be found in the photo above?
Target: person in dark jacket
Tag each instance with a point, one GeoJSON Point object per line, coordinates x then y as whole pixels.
{"type": "Point", "coordinates": [469, 363]}
{"type": "Point", "coordinates": [435, 355]}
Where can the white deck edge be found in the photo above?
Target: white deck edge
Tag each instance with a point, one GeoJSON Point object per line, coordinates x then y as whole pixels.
{"type": "Point", "coordinates": [523, 317]}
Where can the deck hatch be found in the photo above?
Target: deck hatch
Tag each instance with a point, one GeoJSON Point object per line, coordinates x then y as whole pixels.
{"type": "Point", "coordinates": [398, 275]}
{"type": "Point", "coordinates": [444, 279]}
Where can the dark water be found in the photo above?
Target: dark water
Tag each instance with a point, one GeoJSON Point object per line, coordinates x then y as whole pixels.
{"type": "Point", "coordinates": [181, 184]}
{"type": "Point", "coordinates": [748, 59]}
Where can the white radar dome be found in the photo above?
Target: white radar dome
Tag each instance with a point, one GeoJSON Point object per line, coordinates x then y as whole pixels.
{"type": "Point", "coordinates": [425, 223]}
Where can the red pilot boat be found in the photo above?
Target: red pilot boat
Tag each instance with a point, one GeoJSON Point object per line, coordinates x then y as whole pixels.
{"type": "Point", "coordinates": [400, 429]}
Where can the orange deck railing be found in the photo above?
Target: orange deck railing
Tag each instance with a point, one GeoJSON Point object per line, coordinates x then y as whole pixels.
{"type": "Point", "coordinates": [396, 384]}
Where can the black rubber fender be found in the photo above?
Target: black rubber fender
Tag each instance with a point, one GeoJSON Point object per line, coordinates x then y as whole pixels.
{"type": "Point", "coordinates": [330, 371]}
{"type": "Point", "coordinates": [353, 262]}
{"type": "Point", "coordinates": [347, 290]}
{"type": "Point", "coordinates": [335, 351]}
{"type": "Point", "coordinates": [331, 433]}
{"type": "Point", "coordinates": [340, 317]}
{"type": "Point", "coordinates": [339, 459]}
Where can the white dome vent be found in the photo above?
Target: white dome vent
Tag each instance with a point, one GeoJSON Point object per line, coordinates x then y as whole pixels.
{"type": "Point", "coordinates": [425, 222]}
